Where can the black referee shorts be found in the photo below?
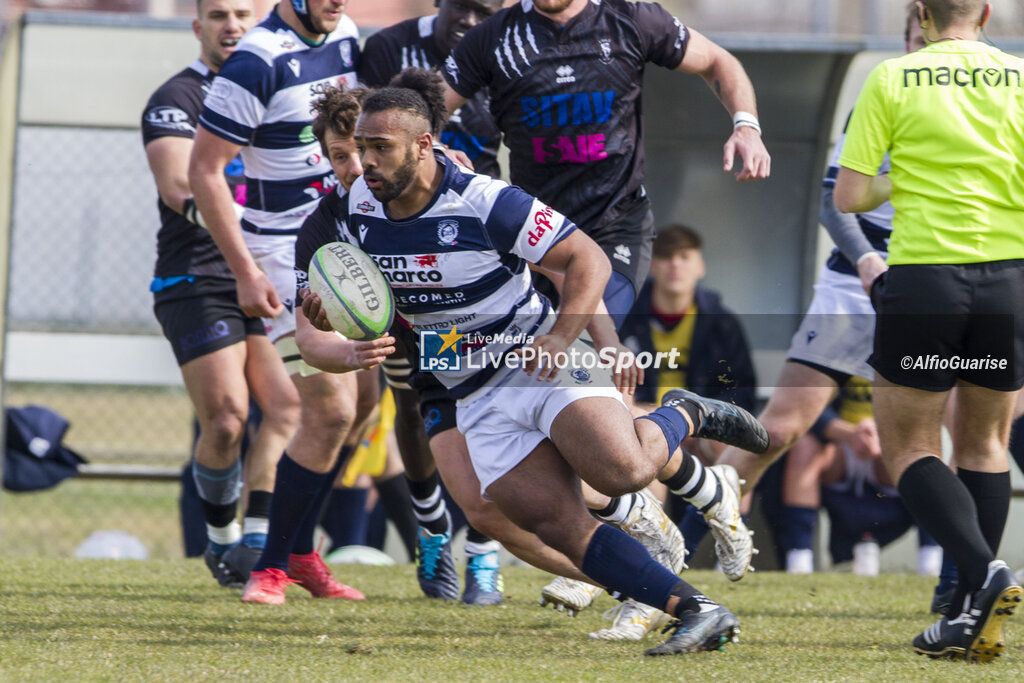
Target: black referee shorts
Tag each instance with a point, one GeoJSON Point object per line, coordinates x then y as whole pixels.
{"type": "Point", "coordinates": [940, 323]}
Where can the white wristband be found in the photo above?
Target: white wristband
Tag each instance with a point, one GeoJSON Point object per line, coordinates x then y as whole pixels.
{"type": "Point", "coordinates": [745, 118]}
{"type": "Point", "coordinates": [864, 256]}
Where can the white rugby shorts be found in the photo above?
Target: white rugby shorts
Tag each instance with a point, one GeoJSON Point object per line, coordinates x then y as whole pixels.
{"type": "Point", "coordinates": [275, 256]}
{"type": "Point", "coordinates": [838, 330]}
{"type": "Point", "coordinates": [504, 423]}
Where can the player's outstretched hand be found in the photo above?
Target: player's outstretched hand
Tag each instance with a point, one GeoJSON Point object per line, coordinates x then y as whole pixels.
{"type": "Point", "coordinates": [746, 143]}
{"type": "Point", "coordinates": [369, 354]}
{"type": "Point", "coordinates": [626, 374]}
{"type": "Point", "coordinates": [257, 297]}
{"type": "Point", "coordinates": [313, 309]}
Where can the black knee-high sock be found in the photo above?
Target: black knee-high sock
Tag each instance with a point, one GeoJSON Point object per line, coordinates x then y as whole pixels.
{"type": "Point", "coordinates": [294, 491]}
{"type": "Point", "coordinates": [394, 496]}
{"type": "Point", "coordinates": [943, 506]}
{"type": "Point", "coordinates": [307, 528]}
{"type": "Point", "coordinates": [991, 493]}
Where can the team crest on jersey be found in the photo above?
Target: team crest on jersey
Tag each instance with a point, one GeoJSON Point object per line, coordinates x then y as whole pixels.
{"type": "Point", "coordinates": [605, 45]}
{"type": "Point", "coordinates": [365, 206]}
{"type": "Point", "coordinates": [345, 48]}
{"type": "Point", "coordinates": [447, 232]}
{"type": "Point", "coordinates": [581, 376]}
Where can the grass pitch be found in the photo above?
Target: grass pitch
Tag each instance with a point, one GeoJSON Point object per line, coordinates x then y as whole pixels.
{"type": "Point", "coordinates": [164, 620]}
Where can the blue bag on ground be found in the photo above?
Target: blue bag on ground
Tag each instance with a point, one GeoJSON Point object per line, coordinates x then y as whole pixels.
{"type": "Point", "coordinates": [34, 455]}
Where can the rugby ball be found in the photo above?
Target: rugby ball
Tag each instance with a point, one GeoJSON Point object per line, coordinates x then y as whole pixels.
{"type": "Point", "coordinates": [354, 293]}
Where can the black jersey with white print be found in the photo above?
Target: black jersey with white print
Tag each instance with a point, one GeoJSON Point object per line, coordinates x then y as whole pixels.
{"type": "Point", "coordinates": [183, 248]}
{"type": "Point", "coordinates": [471, 128]}
{"type": "Point", "coordinates": [568, 99]}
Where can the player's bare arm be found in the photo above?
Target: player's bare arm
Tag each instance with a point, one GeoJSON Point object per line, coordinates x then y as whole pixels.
{"type": "Point", "coordinates": [729, 81]}
{"type": "Point", "coordinates": [586, 270]}
{"type": "Point", "coordinates": [452, 99]}
{"type": "Point", "coordinates": [330, 352]}
{"type": "Point", "coordinates": [628, 375]}
{"type": "Point", "coordinates": [210, 155]}
{"type": "Point", "coordinates": [857, 192]}
{"type": "Point", "coordinates": [168, 160]}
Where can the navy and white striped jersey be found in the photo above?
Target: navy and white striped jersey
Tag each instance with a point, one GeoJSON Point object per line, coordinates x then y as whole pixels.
{"type": "Point", "coordinates": [261, 100]}
{"type": "Point", "coordinates": [461, 262]}
{"type": "Point", "coordinates": [568, 99]}
{"type": "Point", "coordinates": [875, 224]}
{"type": "Point", "coordinates": [412, 43]}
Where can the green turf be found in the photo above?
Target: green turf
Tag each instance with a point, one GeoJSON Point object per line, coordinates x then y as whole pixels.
{"type": "Point", "coordinates": [166, 620]}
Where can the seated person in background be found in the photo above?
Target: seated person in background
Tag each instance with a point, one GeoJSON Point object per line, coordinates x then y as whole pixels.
{"type": "Point", "coordinates": [673, 312]}
{"type": "Point", "coordinates": [838, 465]}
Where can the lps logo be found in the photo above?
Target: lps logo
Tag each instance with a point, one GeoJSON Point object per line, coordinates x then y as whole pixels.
{"type": "Point", "coordinates": [605, 46]}
{"type": "Point", "coordinates": [440, 351]}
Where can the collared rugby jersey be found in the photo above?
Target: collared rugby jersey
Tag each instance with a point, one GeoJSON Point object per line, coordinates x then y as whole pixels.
{"type": "Point", "coordinates": [568, 99]}
{"type": "Point", "coordinates": [183, 248]}
{"type": "Point", "coordinates": [261, 99]}
{"type": "Point", "coordinates": [412, 43]}
{"type": "Point", "coordinates": [459, 263]}
{"type": "Point", "coordinates": [875, 224]}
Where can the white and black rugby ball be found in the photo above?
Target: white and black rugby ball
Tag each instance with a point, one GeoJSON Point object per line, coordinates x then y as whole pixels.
{"type": "Point", "coordinates": [353, 291]}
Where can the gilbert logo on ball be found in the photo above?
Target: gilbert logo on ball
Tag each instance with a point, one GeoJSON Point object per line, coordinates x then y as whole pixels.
{"type": "Point", "coordinates": [353, 291]}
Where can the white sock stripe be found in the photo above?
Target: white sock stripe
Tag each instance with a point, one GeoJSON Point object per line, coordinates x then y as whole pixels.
{"type": "Point", "coordinates": [481, 548]}
{"type": "Point", "coordinates": [255, 525]}
{"type": "Point", "coordinates": [428, 502]}
{"type": "Point", "coordinates": [225, 535]}
{"type": "Point", "coordinates": [429, 516]}
{"type": "Point", "coordinates": [695, 481]}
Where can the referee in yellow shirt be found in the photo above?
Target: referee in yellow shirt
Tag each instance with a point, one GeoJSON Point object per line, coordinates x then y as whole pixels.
{"type": "Point", "coordinates": [951, 306]}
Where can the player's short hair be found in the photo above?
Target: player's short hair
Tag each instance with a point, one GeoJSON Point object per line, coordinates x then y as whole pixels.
{"type": "Point", "coordinates": [946, 12]}
{"type": "Point", "coordinates": [336, 110]}
{"type": "Point", "coordinates": [419, 92]}
{"type": "Point", "coordinates": [674, 238]}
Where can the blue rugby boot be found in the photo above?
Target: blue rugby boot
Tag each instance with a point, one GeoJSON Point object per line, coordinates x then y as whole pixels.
{"type": "Point", "coordinates": [484, 583]}
{"type": "Point", "coordinates": [435, 569]}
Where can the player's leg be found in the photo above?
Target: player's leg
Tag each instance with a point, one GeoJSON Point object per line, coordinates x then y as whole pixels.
{"type": "Point", "coordinates": [801, 394]}
{"type": "Point", "coordinates": [216, 386]}
{"type": "Point", "coordinates": [802, 479]}
{"type": "Point", "coordinates": [456, 468]}
{"type": "Point", "coordinates": [542, 495]}
{"type": "Point", "coordinates": [278, 400]}
{"type": "Point", "coordinates": [626, 454]}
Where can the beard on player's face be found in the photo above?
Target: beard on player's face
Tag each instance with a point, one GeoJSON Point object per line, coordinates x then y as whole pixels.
{"type": "Point", "coordinates": [391, 188]}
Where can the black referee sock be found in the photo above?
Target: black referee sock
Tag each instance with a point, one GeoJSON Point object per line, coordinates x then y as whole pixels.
{"type": "Point", "coordinates": [943, 507]}
{"type": "Point", "coordinates": [991, 493]}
